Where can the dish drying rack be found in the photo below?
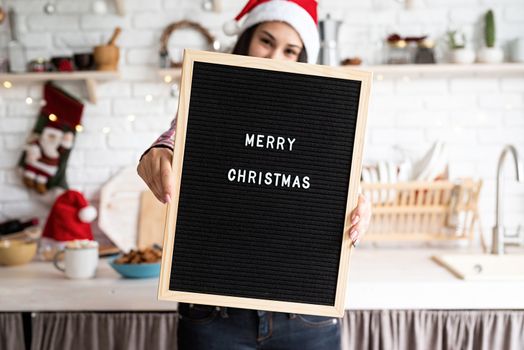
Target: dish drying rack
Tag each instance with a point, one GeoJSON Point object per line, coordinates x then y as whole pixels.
{"type": "Point", "coordinates": [423, 210]}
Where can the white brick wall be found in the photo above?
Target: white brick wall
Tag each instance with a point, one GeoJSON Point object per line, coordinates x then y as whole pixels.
{"type": "Point", "coordinates": [476, 115]}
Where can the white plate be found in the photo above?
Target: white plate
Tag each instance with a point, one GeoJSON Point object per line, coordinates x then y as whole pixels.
{"type": "Point", "coordinates": [383, 178]}
{"type": "Point", "coordinates": [426, 165]}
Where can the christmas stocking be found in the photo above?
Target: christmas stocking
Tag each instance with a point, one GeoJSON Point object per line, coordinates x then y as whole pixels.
{"type": "Point", "coordinates": [46, 152]}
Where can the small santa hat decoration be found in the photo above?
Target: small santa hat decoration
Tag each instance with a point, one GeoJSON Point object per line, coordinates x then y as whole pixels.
{"type": "Point", "coordinates": [300, 14]}
{"type": "Point", "coordinates": [70, 218]}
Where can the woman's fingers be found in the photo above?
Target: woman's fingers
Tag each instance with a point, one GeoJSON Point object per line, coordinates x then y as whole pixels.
{"type": "Point", "coordinates": [155, 170]}
{"type": "Point", "coordinates": [360, 218]}
{"type": "Point", "coordinates": [166, 175]}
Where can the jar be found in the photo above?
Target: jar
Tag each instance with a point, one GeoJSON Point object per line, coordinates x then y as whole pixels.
{"type": "Point", "coordinates": [397, 52]}
{"type": "Point", "coordinates": [425, 53]}
{"type": "Point", "coordinates": [37, 65]}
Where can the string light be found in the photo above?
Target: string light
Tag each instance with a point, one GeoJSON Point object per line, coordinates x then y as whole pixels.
{"type": "Point", "coordinates": [106, 129]}
{"type": "Point", "coordinates": [149, 98]}
{"type": "Point", "coordinates": [53, 117]}
{"type": "Point", "coordinates": [8, 84]}
{"type": "Point", "coordinates": [79, 128]}
{"type": "Point", "coordinates": [380, 77]}
{"type": "Point", "coordinates": [131, 117]}
{"type": "Point", "coordinates": [29, 100]}
{"type": "Point", "coordinates": [168, 79]}
{"type": "Point", "coordinates": [509, 106]}
{"type": "Point", "coordinates": [406, 78]}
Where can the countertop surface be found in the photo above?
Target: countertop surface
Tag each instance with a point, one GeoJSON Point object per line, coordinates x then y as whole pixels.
{"type": "Point", "coordinates": [378, 279]}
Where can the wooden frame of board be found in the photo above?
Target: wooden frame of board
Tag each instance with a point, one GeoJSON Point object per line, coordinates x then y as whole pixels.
{"type": "Point", "coordinates": [191, 56]}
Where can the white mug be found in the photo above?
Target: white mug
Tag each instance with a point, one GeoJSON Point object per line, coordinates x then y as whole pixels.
{"type": "Point", "coordinates": [79, 263]}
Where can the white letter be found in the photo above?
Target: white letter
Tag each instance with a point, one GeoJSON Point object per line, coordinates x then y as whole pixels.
{"type": "Point", "coordinates": [269, 141]}
{"type": "Point", "coordinates": [229, 174]}
{"type": "Point", "coordinates": [252, 176]}
{"type": "Point", "coordinates": [268, 179]}
{"type": "Point", "coordinates": [305, 182]}
{"type": "Point", "coordinates": [260, 140]}
{"type": "Point", "coordinates": [250, 140]}
{"type": "Point", "coordinates": [241, 174]}
{"type": "Point", "coordinates": [277, 176]}
{"type": "Point", "coordinates": [286, 180]}
{"type": "Point", "coordinates": [280, 142]}
{"type": "Point", "coordinates": [296, 182]}
{"type": "Point", "coordinates": [291, 142]}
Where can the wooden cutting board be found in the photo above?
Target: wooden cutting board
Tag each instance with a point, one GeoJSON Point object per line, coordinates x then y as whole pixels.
{"type": "Point", "coordinates": [151, 220]}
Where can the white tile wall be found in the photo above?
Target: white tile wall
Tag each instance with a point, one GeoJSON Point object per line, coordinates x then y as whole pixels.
{"type": "Point", "coordinates": [475, 115]}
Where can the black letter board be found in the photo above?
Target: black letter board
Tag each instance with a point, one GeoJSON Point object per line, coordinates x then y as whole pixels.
{"type": "Point", "coordinates": [267, 162]}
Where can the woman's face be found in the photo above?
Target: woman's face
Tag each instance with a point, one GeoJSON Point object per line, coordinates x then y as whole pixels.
{"type": "Point", "coordinates": [277, 40]}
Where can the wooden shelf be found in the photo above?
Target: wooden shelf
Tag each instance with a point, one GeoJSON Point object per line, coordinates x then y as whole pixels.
{"type": "Point", "coordinates": [445, 68]}
{"type": "Point", "coordinates": [89, 77]}
{"type": "Point", "coordinates": [413, 69]}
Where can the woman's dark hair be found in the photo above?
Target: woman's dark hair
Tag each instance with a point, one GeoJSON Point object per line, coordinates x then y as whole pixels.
{"type": "Point", "coordinates": [242, 44]}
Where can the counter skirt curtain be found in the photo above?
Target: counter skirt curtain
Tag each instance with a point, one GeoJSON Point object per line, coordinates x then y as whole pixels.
{"type": "Point", "coordinates": [104, 331]}
{"type": "Point", "coordinates": [361, 330]}
{"type": "Point", "coordinates": [436, 330]}
{"type": "Point", "coordinates": [11, 331]}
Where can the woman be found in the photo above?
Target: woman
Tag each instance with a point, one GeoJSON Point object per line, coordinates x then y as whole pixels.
{"type": "Point", "coordinates": [282, 30]}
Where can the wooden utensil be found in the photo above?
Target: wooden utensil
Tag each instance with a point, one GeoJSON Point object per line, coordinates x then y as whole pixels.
{"type": "Point", "coordinates": [2, 15]}
{"type": "Point", "coordinates": [151, 221]}
{"type": "Point", "coordinates": [106, 56]}
{"type": "Point", "coordinates": [116, 34]}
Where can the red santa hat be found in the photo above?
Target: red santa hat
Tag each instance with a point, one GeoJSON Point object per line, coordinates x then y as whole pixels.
{"type": "Point", "coordinates": [300, 14]}
{"type": "Point", "coordinates": [70, 218]}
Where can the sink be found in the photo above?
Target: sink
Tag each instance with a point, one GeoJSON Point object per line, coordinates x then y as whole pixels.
{"type": "Point", "coordinates": [483, 267]}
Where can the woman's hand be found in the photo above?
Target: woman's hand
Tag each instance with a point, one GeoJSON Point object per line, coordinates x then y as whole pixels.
{"type": "Point", "coordinates": [360, 218]}
{"type": "Point", "coordinates": [155, 169]}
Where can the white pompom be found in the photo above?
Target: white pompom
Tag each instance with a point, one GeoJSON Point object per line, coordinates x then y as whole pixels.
{"type": "Point", "coordinates": [231, 27]}
{"type": "Point", "coordinates": [87, 214]}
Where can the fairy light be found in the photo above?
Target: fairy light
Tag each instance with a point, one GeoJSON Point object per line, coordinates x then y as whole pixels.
{"type": "Point", "coordinates": [509, 106]}
{"type": "Point", "coordinates": [106, 129]}
{"type": "Point", "coordinates": [8, 84]}
{"type": "Point", "coordinates": [53, 117]}
{"type": "Point", "coordinates": [79, 128]}
{"type": "Point", "coordinates": [406, 78]}
{"type": "Point", "coordinates": [131, 118]}
{"type": "Point", "coordinates": [380, 77]}
{"type": "Point", "coordinates": [149, 98]}
{"type": "Point", "coordinates": [29, 100]}
{"type": "Point", "coordinates": [168, 79]}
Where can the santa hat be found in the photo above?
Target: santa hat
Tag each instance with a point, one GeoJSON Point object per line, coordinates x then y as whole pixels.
{"type": "Point", "coordinates": [70, 218]}
{"type": "Point", "coordinates": [300, 14]}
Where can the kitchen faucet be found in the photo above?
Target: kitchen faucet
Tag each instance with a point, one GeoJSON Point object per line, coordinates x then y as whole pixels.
{"type": "Point", "coordinates": [498, 229]}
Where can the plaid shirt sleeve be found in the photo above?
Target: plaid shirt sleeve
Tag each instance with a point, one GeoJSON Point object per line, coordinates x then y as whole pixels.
{"type": "Point", "coordinates": [166, 139]}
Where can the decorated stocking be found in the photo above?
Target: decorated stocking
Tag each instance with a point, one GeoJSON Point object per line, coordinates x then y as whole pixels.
{"type": "Point", "coordinates": [46, 152]}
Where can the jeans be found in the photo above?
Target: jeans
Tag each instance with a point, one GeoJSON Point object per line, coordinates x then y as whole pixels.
{"type": "Point", "coordinates": [205, 327]}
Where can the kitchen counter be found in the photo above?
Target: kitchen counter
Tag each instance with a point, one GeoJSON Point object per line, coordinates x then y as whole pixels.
{"type": "Point", "coordinates": [379, 279]}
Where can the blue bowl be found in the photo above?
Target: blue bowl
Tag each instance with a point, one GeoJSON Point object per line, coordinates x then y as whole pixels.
{"type": "Point", "coordinates": [144, 270]}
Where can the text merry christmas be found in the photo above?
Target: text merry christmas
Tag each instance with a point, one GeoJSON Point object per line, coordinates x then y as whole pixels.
{"type": "Point", "coordinates": [268, 178]}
